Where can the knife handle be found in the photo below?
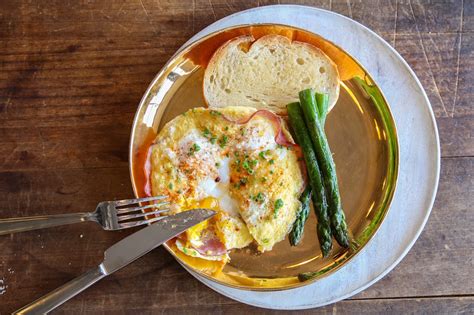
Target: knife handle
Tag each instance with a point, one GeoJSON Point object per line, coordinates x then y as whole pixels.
{"type": "Point", "coordinates": [62, 294]}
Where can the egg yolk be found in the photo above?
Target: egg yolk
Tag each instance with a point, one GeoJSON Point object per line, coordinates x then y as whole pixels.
{"type": "Point", "coordinates": [194, 233]}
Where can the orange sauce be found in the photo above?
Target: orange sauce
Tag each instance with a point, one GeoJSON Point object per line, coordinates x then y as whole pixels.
{"type": "Point", "coordinates": [139, 166]}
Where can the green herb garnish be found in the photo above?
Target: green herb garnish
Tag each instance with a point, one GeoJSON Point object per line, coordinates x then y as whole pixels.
{"type": "Point", "coordinates": [253, 163]}
{"type": "Point", "coordinates": [194, 148]}
{"type": "Point", "coordinates": [259, 198]}
{"type": "Point", "coordinates": [278, 205]}
{"type": "Point", "coordinates": [206, 132]}
{"type": "Point", "coordinates": [223, 141]}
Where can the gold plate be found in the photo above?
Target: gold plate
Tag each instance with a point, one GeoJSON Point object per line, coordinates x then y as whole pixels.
{"type": "Point", "coordinates": [360, 130]}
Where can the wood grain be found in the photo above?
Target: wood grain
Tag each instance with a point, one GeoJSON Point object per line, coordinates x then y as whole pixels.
{"type": "Point", "coordinates": [461, 305]}
{"type": "Point", "coordinates": [71, 76]}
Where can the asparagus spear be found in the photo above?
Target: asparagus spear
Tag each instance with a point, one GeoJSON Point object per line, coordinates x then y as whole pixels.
{"type": "Point", "coordinates": [328, 169]}
{"type": "Point", "coordinates": [298, 227]}
{"type": "Point", "coordinates": [318, 196]}
{"type": "Point", "coordinates": [322, 100]}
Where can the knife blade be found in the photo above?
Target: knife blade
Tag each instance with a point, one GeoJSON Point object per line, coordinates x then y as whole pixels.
{"type": "Point", "coordinates": [143, 241]}
{"type": "Point", "coordinates": [119, 255]}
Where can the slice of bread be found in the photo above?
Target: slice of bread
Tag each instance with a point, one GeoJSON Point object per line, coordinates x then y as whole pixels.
{"type": "Point", "coordinates": [267, 73]}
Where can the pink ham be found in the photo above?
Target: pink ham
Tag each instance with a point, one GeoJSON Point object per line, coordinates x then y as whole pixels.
{"type": "Point", "coordinates": [147, 167]}
{"type": "Point", "coordinates": [211, 244]}
{"type": "Point", "coordinates": [280, 137]}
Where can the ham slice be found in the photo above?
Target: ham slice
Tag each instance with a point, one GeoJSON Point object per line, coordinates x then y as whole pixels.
{"type": "Point", "coordinates": [147, 171]}
{"type": "Point", "coordinates": [276, 121]}
{"type": "Point", "coordinates": [210, 245]}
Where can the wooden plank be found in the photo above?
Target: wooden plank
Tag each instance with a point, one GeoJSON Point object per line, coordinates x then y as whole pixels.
{"type": "Point", "coordinates": [468, 17]}
{"type": "Point", "coordinates": [448, 305]}
{"type": "Point", "coordinates": [443, 16]}
{"type": "Point", "coordinates": [49, 81]}
{"type": "Point", "coordinates": [72, 74]}
{"type": "Point", "coordinates": [40, 262]}
{"type": "Point", "coordinates": [447, 84]}
{"type": "Point", "coordinates": [34, 262]}
{"type": "Point", "coordinates": [30, 148]}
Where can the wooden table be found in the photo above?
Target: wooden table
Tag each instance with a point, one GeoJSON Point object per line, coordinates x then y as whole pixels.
{"type": "Point", "coordinates": [71, 77]}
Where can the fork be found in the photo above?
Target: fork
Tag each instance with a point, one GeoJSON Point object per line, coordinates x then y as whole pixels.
{"type": "Point", "coordinates": [111, 215]}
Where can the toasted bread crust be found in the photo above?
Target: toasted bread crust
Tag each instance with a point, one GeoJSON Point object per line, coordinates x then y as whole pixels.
{"type": "Point", "coordinates": [267, 73]}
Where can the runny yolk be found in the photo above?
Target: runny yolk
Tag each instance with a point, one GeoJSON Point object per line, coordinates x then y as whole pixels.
{"type": "Point", "coordinates": [194, 233]}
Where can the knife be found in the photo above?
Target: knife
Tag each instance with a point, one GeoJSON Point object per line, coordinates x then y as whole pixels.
{"type": "Point", "coordinates": [119, 255]}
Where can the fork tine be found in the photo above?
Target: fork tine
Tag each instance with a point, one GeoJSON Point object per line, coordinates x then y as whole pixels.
{"type": "Point", "coordinates": [132, 209]}
{"type": "Point", "coordinates": [125, 202]}
{"type": "Point", "coordinates": [138, 223]}
{"type": "Point", "coordinates": [139, 215]}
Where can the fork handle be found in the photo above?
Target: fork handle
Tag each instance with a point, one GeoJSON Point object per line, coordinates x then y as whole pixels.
{"type": "Point", "coordinates": [14, 225]}
{"type": "Point", "coordinates": [62, 294]}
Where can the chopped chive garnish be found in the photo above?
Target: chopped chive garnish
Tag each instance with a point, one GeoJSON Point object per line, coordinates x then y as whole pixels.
{"type": "Point", "coordinates": [223, 141]}
{"type": "Point", "coordinates": [278, 205]}
{"type": "Point", "coordinates": [194, 148]}
{"type": "Point", "coordinates": [259, 197]}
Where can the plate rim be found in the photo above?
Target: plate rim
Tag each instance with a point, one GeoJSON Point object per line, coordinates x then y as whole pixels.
{"type": "Point", "coordinates": [437, 158]}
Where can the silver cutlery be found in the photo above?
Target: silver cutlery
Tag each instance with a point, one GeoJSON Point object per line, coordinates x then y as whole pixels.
{"type": "Point", "coordinates": [120, 255]}
{"type": "Point", "coordinates": [111, 215]}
